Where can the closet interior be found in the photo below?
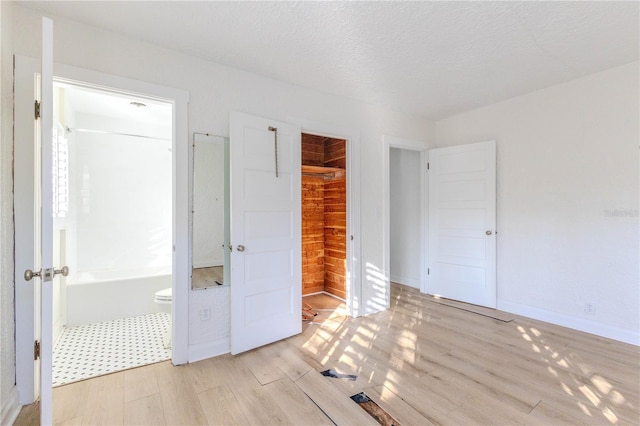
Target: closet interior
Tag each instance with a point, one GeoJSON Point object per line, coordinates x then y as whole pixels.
{"type": "Point", "coordinates": [324, 215]}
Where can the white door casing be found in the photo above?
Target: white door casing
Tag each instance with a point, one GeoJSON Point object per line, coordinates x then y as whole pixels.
{"type": "Point", "coordinates": [26, 185]}
{"type": "Point", "coordinates": [266, 276]}
{"type": "Point", "coordinates": [354, 301]}
{"type": "Point", "coordinates": [462, 223]}
{"type": "Point", "coordinates": [421, 147]}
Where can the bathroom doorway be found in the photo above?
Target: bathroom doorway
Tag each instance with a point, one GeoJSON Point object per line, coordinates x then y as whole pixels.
{"type": "Point", "coordinates": [113, 228]}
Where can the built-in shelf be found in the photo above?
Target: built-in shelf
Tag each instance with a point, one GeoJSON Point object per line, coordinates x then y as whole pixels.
{"type": "Point", "coordinates": [330, 172]}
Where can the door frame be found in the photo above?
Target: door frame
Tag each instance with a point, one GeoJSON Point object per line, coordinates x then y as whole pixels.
{"type": "Point", "coordinates": [24, 304]}
{"type": "Point", "coordinates": [389, 142]}
{"type": "Point", "coordinates": [354, 246]}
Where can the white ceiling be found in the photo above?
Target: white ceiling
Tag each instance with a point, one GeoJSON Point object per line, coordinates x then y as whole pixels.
{"type": "Point", "coordinates": [431, 59]}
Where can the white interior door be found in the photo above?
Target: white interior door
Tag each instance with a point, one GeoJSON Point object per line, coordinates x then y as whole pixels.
{"type": "Point", "coordinates": [462, 223]}
{"type": "Point", "coordinates": [46, 228]}
{"type": "Point", "coordinates": [266, 277]}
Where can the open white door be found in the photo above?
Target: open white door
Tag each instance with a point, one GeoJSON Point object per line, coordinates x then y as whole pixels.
{"type": "Point", "coordinates": [46, 228]}
{"type": "Point", "coordinates": [266, 286]}
{"type": "Point", "coordinates": [462, 223]}
{"type": "Point", "coordinates": [34, 271]}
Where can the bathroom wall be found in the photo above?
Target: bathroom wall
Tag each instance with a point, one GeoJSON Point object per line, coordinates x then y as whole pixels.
{"type": "Point", "coordinates": [120, 190]}
{"type": "Point", "coordinates": [115, 235]}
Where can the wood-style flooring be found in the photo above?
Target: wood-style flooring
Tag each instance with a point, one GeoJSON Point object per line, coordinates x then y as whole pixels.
{"type": "Point", "coordinates": [422, 361]}
{"type": "Point", "coordinates": [211, 276]}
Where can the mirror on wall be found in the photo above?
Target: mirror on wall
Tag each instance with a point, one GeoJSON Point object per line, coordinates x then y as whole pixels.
{"type": "Point", "coordinates": [211, 233]}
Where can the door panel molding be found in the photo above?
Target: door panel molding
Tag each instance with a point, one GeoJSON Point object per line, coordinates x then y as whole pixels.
{"type": "Point", "coordinates": [462, 223]}
{"type": "Point", "coordinates": [266, 263]}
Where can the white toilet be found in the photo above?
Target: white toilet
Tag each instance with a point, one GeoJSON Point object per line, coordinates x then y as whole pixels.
{"type": "Point", "coordinates": [163, 300]}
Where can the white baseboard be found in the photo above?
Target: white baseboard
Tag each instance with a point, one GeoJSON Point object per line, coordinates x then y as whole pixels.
{"type": "Point", "coordinates": [209, 350]}
{"type": "Point", "coordinates": [411, 282]}
{"type": "Point", "coordinates": [581, 324]}
{"type": "Point", "coordinates": [206, 264]}
{"type": "Point", "coordinates": [326, 293]}
{"type": "Point", "coordinates": [10, 408]}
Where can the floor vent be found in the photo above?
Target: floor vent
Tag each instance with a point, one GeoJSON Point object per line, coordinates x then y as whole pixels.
{"type": "Point", "coordinates": [374, 410]}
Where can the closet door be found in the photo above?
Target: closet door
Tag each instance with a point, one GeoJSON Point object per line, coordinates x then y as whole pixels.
{"type": "Point", "coordinates": [462, 223]}
{"type": "Point", "coordinates": [266, 277]}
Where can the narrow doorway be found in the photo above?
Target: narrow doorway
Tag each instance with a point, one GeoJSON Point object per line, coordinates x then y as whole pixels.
{"type": "Point", "coordinates": [324, 227]}
{"type": "Point", "coordinates": [404, 216]}
{"type": "Point", "coordinates": [113, 228]}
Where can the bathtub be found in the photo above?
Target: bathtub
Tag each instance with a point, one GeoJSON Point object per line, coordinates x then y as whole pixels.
{"type": "Point", "coordinates": [109, 295]}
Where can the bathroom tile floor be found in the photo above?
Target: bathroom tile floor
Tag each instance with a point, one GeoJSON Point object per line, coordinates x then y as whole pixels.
{"type": "Point", "coordinates": [95, 349]}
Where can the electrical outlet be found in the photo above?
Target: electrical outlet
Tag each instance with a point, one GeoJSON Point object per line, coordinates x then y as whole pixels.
{"type": "Point", "coordinates": [590, 308]}
{"type": "Point", "coordinates": [205, 313]}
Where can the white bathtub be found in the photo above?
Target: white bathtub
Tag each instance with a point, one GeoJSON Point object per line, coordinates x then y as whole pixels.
{"type": "Point", "coordinates": [105, 296]}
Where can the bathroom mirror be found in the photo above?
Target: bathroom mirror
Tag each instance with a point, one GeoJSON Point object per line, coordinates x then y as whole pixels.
{"type": "Point", "coordinates": [211, 234]}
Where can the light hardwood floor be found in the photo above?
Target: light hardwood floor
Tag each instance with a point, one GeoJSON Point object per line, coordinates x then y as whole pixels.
{"type": "Point", "coordinates": [423, 362]}
{"type": "Point", "coordinates": [211, 276]}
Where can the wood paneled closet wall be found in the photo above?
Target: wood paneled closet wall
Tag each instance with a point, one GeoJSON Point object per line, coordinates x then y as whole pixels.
{"type": "Point", "coordinates": [324, 215]}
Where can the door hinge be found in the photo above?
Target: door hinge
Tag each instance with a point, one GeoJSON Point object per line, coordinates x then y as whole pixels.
{"type": "Point", "coordinates": [36, 110]}
{"type": "Point", "coordinates": [36, 350]}
{"type": "Point", "coordinates": [428, 271]}
{"type": "Point", "coordinates": [427, 166]}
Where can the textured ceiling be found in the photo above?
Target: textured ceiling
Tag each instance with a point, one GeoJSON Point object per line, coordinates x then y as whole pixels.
{"type": "Point", "coordinates": [431, 59]}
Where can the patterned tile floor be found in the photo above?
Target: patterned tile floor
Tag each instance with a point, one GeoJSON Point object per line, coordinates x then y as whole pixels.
{"type": "Point", "coordinates": [95, 349]}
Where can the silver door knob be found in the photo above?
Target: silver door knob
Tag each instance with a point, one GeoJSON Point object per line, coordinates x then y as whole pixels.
{"type": "Point", "coordinates": [488, 232]}
{"type": "Point", "coordinates": [240, 248]}
{"type": "Point", "coordinates": [29, 274]}
{"type": "Point", "coordinates": [64, 271]}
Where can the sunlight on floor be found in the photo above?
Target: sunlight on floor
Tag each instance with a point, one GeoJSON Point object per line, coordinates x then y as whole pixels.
{"type": "Point", "coordinates": [592, 393]}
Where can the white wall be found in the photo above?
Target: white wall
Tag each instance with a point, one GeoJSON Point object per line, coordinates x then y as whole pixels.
{"type": "Point", "coordinates": [8, 393]}
{"type": "Point", "coordinates": [120, 200]}
{"type": "Point", "coordinates": [404, 199]}
{"type": "Point", "coordinates": [216, 90]}
{"type": "Point", "coordinates": [567, 199]}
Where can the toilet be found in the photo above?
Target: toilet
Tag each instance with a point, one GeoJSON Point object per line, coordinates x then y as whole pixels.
{"type": "Point", "coordinates": [163, 300]}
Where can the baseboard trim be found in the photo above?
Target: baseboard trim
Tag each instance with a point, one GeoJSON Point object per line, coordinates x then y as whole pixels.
{"type": "Point", "coordinates": [326, 293]}
{"type": "Point", "coordinates": [409, 282]}
{"type": "Point", "coordinates": [209, 350]}
{"type": "Point", "coordinates": [10, 408]}
{"type": "Point", "coordinates": [581, 324]}
{"type": "Point", "coordinates": [197, 265]}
